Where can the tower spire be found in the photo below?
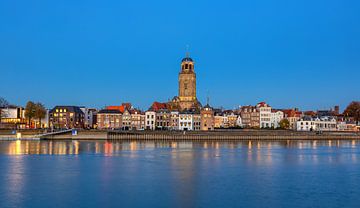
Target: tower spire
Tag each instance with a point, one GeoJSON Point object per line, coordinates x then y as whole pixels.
{"type": "Point", "coordinates": [187, 51]}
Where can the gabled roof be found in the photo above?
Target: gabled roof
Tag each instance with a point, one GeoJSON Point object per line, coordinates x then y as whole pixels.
{"type": "Point", "coordinates": [156, 106]}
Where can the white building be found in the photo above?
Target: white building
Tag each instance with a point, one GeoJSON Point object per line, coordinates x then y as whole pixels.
{"type": "Point", "coordinates": [325, 123]}
{"type": "Point", "coordinates": [150, 120]}
{"type": "Point", "coordinates": [189, 121]}
{"type": "Point", "coordinates": [275, 118]}
{"type": "Point", "coordinates": [265, 114]}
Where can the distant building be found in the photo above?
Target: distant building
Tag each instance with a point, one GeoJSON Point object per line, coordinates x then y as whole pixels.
{"type": "Point", "coordinates": [292, 115]}
{"type": "Point", "coordinates": [330, 112]}
{"type": "Point", "coordinates": [163, 119]}
{"type": "Point", "coordinates": [265, 114]}
{"type": "Point", "coordinates": [150, 120]}
{"type": "Point", "coordinates": [189, 121]}
{"type": "Point", "coordinates": [90, 117]}
{"type": "Point", "coordinates": [221, 121]}
{"type": "Point", "coordinates": [109, 119]}
{"type": "Point", "coordinates": [12, 117]}
{"type": "Point", "coordinates": [275, 117]}
{"type": "Point", "coordinates": [325, 123]}
{"type": "Point", "coordinates": [231, 118]}
{"type": "Point", "coordinates": [137, 122]}
{"type": "Point", "coordinates": [207, 118]}
{"type": "Point", "coordinates": [174, 121]}
{"type": "Point", "coordinates": [126, 120]}
{"type": "Point", "coordinates": [250, 117]}
{"type": "Point", "coordinates": [66, 117]}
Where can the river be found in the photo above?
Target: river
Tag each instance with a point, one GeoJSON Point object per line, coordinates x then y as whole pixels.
{"type": "Point", "coordinates": [179, 174]}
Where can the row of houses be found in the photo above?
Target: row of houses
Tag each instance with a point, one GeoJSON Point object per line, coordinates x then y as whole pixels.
{"type": "Point", "coordinates": [160, 116]}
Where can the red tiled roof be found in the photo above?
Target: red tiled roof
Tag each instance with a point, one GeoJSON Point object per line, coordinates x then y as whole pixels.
{"type": "Point", "coordinates": [156, 106]}
{"type": "Point", "coordinates": [120, 108]}
{"type": "Point", "coordinates": [262, 104]}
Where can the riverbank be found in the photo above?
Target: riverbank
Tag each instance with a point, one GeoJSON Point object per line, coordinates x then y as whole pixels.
{"type": "Point", "coordinates": [220, 135]}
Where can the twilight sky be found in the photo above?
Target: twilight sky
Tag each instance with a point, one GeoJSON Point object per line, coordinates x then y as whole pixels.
{"type": "Point", "coordinates": [303, 53]}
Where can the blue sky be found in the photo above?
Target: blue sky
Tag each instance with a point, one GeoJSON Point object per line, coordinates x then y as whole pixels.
{"type": "Point", "coordinates": [302, 54]}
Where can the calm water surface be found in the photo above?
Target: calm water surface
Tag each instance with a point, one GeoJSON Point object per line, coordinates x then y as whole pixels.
{"type": "Point", "coordinates": [179, 174]}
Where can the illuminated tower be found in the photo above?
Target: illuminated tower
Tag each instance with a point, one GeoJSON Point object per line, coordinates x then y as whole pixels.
{"type": "Point", "coordinates": [187, 83]}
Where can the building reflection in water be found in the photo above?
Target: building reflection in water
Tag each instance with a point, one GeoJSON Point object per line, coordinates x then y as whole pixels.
{"type": "Point", "coordinates": [261, 152]}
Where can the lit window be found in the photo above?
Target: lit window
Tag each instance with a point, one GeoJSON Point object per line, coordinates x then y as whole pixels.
{"type": "Point", "coordinates": [64, 110]}
{"type": "Point", "coordinates": [57, 110]}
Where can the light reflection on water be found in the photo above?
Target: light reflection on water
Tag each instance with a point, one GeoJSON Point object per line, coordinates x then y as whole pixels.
{"type": "Point", "coordinates": [110, 148]}
{"type": "Point", "coordinates": [179, 174]}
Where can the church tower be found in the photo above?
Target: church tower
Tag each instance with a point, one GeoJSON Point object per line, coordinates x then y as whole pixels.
{"type": "Point", "coordinates": [187, 80]}
{"type": "Point", "coordinates": [186, 100]}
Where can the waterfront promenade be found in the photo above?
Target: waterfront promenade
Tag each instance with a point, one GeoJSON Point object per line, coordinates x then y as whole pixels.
{"type": "Point", "coordinates": [220, 135]}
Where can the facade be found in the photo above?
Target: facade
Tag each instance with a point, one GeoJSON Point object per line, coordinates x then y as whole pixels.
{"type": "Point", "coordinates": [12, 117]}
{"type": "Point", "coordinates": [207, 118]}
{"type": "Point", "coordinates": [90, 117]}
{"type": "Point", "coordinates": [150, 120]}
{"type": "Point", "coordinates": [174, 121]}
{"type": "Point", "coordinates": [137, 123]}
{"type": "Point", "coordinates": [109, 119]}
{"type": "Point", "coordinates": [187, 121]}
{"type": "Point", "coordinates": [232, 118]}
{"type": "Point", "coordinates": [292, 115]}
{"type": "Point", "coordinates": [250, 117]}
{"type": "Point", "coordinates": [66, 117]}
{"type": "Point", "coordinates": [163, 119]}
{"type": "Point", "coordinates": [265, 114]}
{"type": "Point", "coordinates": [221, 121]}
{"type": "Point", "coordinates": [196, 122]}
{"type": "Point", "coordinates": [275, 118]}
{"type": "Point", "coordinates": [325, 123]}
{"type": "Point", "coordinates": [126, 120]}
